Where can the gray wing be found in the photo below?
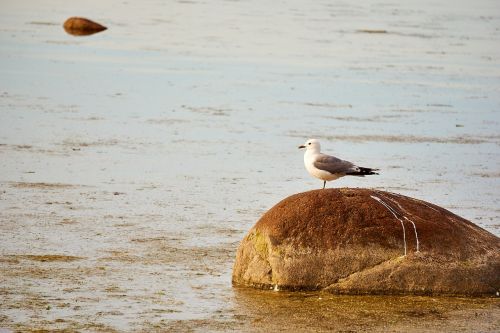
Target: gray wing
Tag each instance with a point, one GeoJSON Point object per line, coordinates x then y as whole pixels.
{"type": "Point", "coordinates": [334, 165]}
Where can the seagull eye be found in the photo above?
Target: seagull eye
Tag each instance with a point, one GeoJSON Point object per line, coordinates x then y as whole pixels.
{"type": "Point", "coordinates": [309, 143]}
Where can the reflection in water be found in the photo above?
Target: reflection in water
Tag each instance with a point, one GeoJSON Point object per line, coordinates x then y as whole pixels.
{"type": "Point", "coordinates": [315, 311]}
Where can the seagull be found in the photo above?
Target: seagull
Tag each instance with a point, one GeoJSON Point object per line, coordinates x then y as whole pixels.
{"type": "Point", "coordinates": [326, 167]}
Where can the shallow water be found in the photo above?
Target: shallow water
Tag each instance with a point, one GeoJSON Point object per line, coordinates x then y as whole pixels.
{"type": "Point", "coordinates": [133, 161]}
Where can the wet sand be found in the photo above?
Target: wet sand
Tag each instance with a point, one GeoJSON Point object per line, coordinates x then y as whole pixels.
{"type": "Point", "coordinates": [133, 161]}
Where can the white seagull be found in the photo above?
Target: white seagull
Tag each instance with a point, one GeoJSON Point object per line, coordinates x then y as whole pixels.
{"type": "Point", "coordinates": [326, 167]}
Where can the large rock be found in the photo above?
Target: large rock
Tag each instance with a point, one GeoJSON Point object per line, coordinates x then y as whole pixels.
{"type": "Point", "coordinates": [365, 241]}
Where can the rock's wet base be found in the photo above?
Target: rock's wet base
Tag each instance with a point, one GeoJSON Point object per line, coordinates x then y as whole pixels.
{"type": "Point", "coordinates": [323, 312]}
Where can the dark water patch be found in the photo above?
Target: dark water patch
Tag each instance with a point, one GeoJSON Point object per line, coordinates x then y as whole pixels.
{"type": "Point", "coordinates": [430, 109]}
{"type": "Point", "coordinates": [213, 111]}
{"type": "Point", "coordinates": [48, 257]}
{"type": "Point", "coordinates": [63, 42]}
{"type": "Point", "coordinates": [42, 185]}
{"type": "Point", "coordinates": [166, 121]}
{"type": "Point", "coordinates": [395, 33]}
{"type": "Point", "coordinates": [372, 31]}
{"type": "Point", "coordinates": [462, 140]}
{"type": "Point", "coordinates": [487, 174]}
{"type": "Point", "coordinates": [90, 118]}
{"type": "Point", "coordinates": [97, 143]}
{"type": "Point", "coordinates": [384, 118]}
{"type": "Point", "coordinates": [43, 23]}
{"type": "Point", "coordinates": [441, 105]}
{"type": "Point", "coordinates": [31, 149]}
{"type": "Point", "coordinates": [327, 105]}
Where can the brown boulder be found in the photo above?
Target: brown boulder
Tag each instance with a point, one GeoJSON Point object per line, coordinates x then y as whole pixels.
{"type": "Point", "coordinates": [370, 242]}
{"type": "Point", "coordinates": [80, 26]}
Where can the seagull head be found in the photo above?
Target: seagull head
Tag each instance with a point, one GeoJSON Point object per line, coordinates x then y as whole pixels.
{"type": "Point", "coordinates": [311, 144]}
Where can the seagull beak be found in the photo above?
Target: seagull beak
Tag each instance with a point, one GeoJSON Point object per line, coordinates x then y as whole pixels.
{"type": "Point", "coordinates": [300, 147]}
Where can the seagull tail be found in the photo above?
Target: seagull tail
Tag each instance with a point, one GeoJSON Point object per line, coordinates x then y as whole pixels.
{"type": "Point", "coordinates": [363, 172]}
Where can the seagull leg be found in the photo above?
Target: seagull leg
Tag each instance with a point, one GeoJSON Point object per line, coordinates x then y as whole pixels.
{"type": "Point", "coordinates": [324, 183]}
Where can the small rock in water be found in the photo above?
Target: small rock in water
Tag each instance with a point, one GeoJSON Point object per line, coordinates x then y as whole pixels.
{"type": "Point", "coordinates": [79, 26]}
